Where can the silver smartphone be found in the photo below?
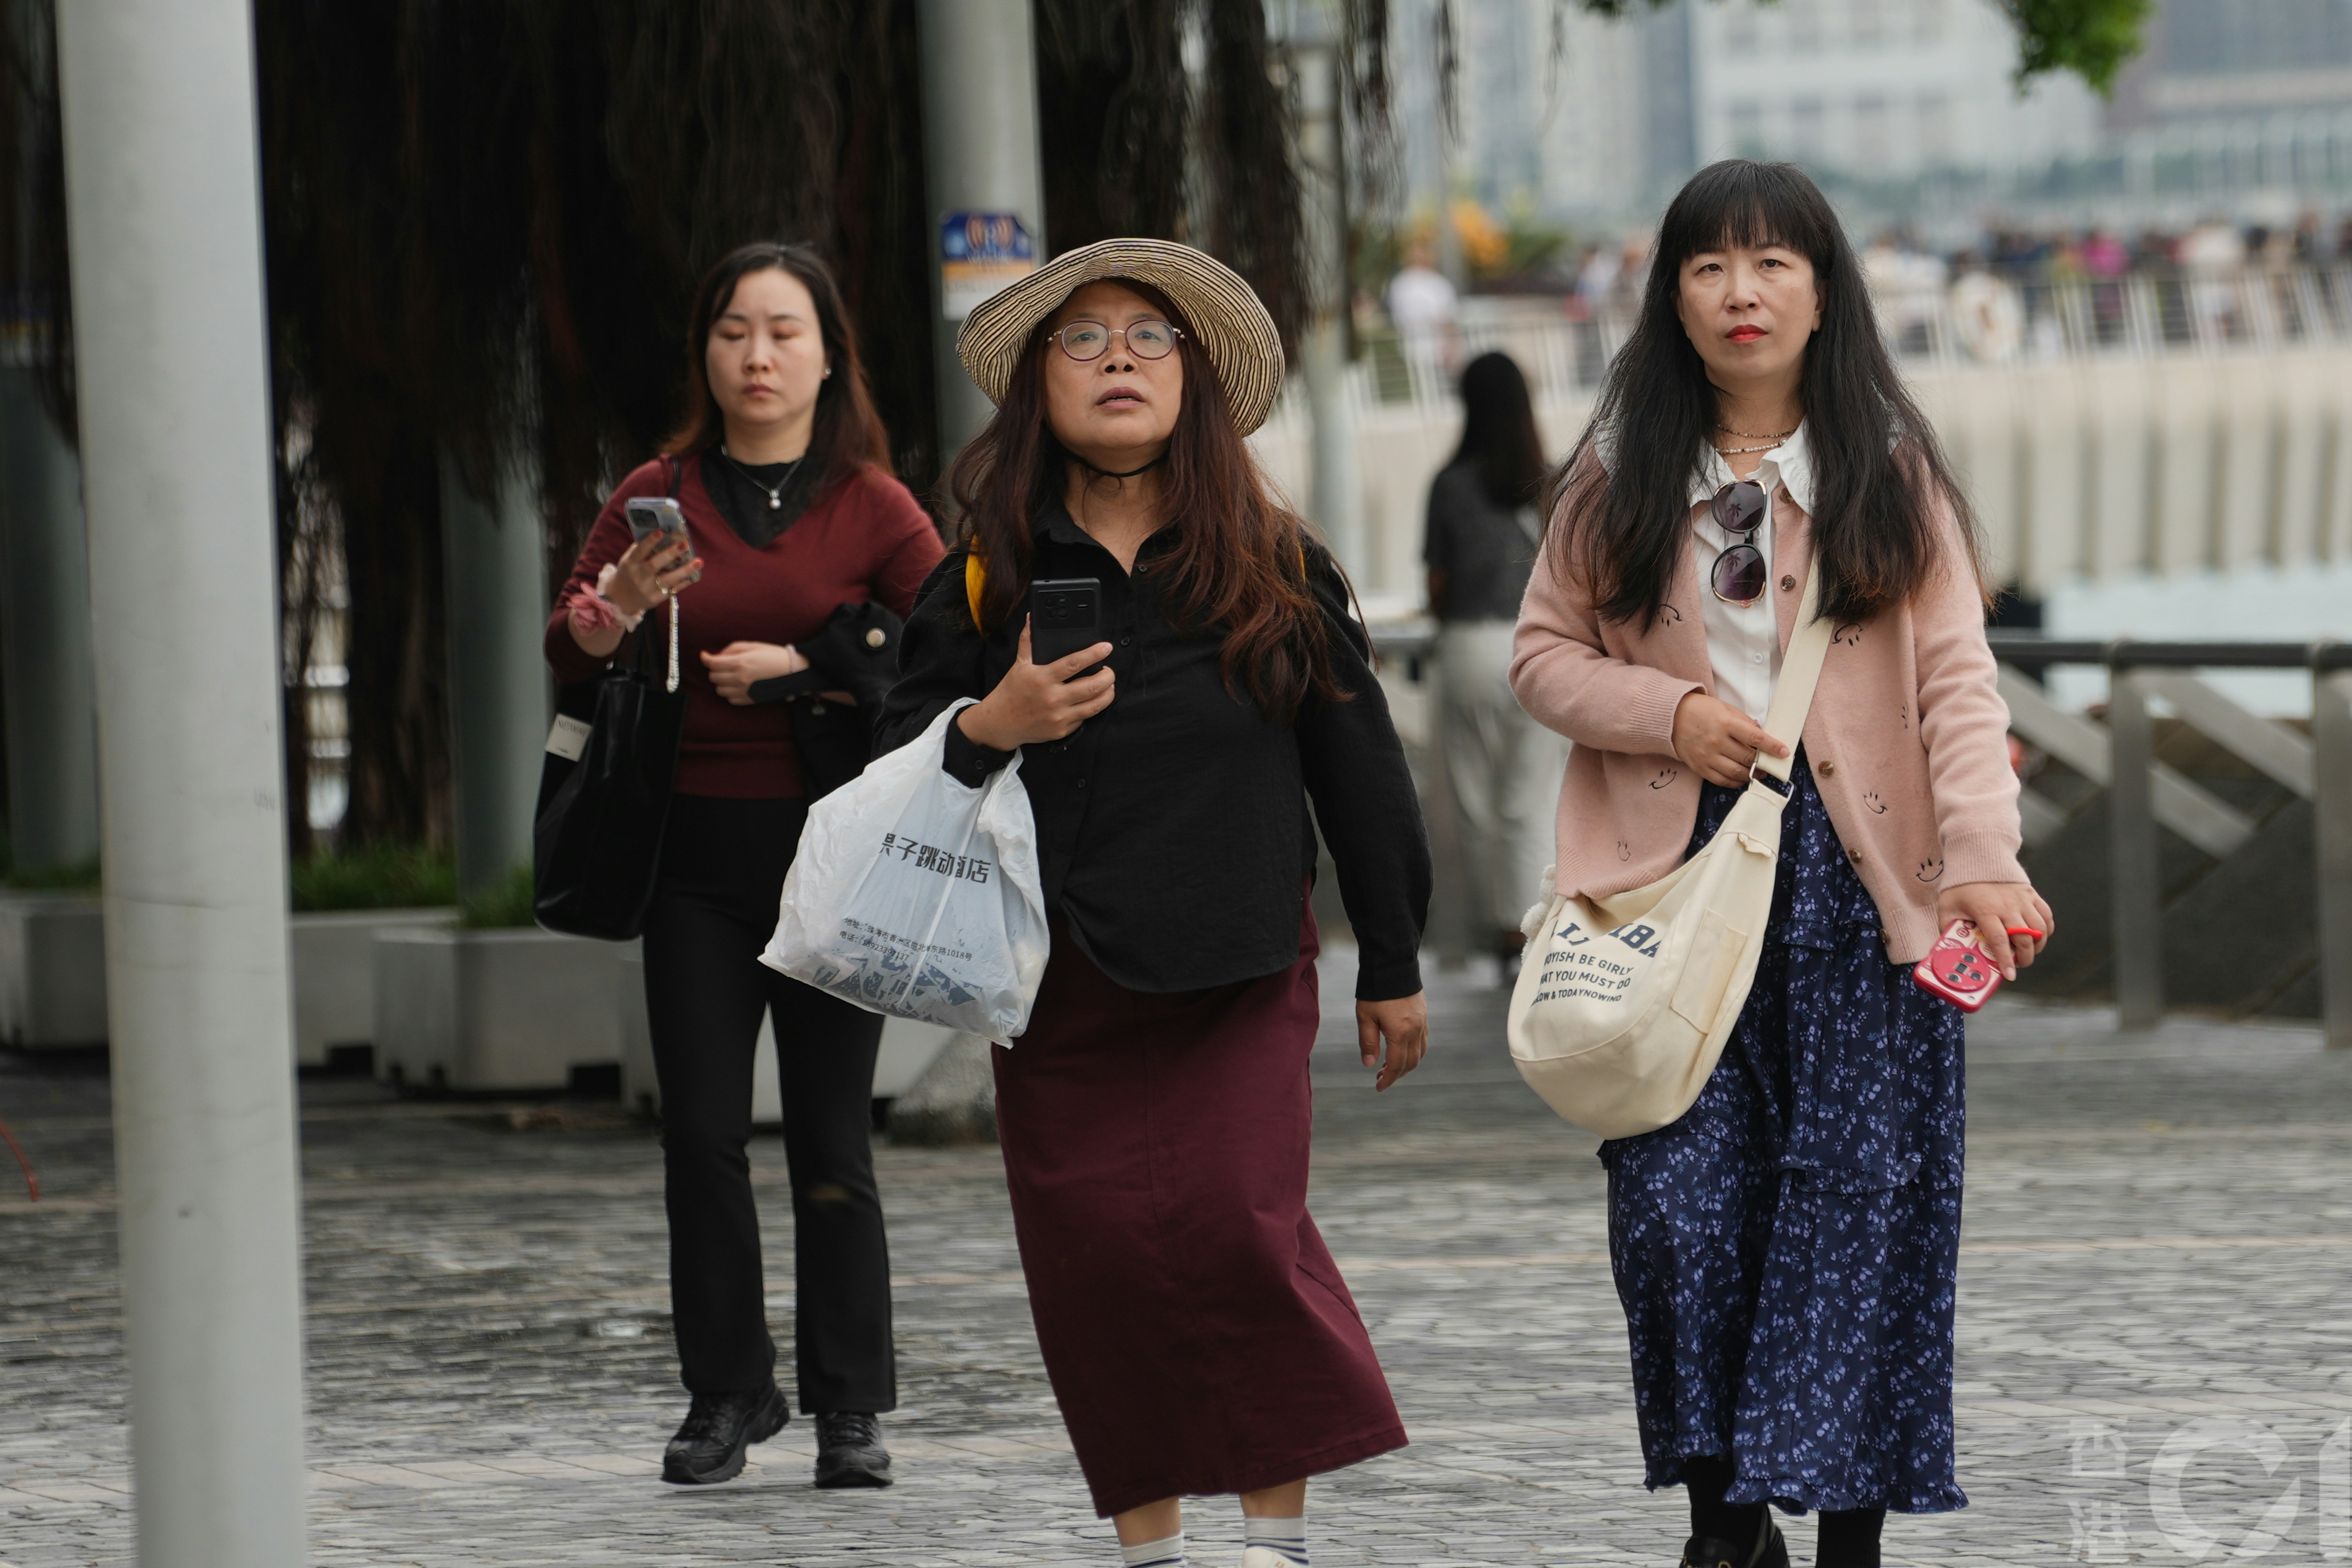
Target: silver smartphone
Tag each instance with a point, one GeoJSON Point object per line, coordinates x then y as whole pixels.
{"type": "Point", "coordinates": [655, 514]}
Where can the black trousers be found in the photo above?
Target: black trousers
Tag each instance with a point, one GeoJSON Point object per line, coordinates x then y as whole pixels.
{"type": "Point", "coordinates": [714, 908]}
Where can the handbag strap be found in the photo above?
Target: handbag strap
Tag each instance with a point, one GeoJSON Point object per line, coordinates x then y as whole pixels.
{"type": "Point", "coordinates": [1800, 670]}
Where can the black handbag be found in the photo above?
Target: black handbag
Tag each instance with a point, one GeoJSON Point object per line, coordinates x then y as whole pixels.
{"type": "Point", "coordinates": [855, 651]}
{"type": "Point", "coordinates": [597, 840]}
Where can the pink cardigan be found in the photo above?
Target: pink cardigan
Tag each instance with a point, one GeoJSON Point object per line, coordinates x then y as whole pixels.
{"type": "Point", "coordinates": [1907, 734]}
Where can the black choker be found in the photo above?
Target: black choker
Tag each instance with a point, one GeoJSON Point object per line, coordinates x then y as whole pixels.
{"type": "Point", "coordinates": [1106, 474]}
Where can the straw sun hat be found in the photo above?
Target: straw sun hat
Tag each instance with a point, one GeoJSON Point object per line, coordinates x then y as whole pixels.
{"type": "Point", "coordinates": [1220, 311]}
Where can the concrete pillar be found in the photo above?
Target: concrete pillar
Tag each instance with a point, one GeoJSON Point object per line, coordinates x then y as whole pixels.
{"type": "Point", "coordinates": [164, 223]}
{"type": "Point", "coordinates": [497, 618]}
{"type": "Point", "coordinates": [1334, 495]}
{"type": "Point", "coordinates": [981, 155]}
{"type": "Point", "coordinates": [44, 617]}
{"type": "Point", "coordinates": [979, 137]}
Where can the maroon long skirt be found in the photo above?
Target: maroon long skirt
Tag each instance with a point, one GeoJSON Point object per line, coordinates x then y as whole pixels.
{"type": "Point", "coordinates": [1198, 1334]}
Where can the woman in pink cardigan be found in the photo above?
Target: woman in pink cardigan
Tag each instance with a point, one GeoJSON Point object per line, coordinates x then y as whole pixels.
{"type": "Point", "coordinates": [1786, 1252]}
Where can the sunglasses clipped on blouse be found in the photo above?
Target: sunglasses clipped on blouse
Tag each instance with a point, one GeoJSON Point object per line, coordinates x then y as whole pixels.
{"type": "Point", "coordinates": [1739, 574]}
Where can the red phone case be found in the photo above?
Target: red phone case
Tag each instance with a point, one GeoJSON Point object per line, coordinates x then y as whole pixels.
{"type": "Point", "coordinates": [1957, 969]}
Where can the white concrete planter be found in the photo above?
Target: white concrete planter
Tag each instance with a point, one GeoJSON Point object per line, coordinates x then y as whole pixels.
{"type": "Point", "coordinates": [52, 970]}
{"type": "Point", "coordinates": [908, 1049]}
{"type": "Point", "coordinates": [335, 974]}
{"type": "Point", "coordinates": [493, 1009]}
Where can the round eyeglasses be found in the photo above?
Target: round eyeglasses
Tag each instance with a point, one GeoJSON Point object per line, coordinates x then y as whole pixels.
{"type": "Point", "coordinates": [1738, 574]}
{"type": "Point", "coordinates": [1088, 340]}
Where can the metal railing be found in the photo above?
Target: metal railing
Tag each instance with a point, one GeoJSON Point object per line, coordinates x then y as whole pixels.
{"type": "Point", "coordinates": [2144, 794]}
{"type": "Point", "coordinates": [2142, 315]}
{"type": "Point", "coordinates": [2119, 757]}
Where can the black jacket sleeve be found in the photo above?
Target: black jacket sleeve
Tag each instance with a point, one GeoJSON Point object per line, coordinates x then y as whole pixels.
{"type": "Point", "coordinates": [1365, 803]}
{"type": "Point", "coordinates": [942, 658]}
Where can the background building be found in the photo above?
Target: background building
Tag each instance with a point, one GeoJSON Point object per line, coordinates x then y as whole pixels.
{"type": "Point", "coordinates": [1909, 111]}
{"type": "Point", "coordinates": [1874, 90]}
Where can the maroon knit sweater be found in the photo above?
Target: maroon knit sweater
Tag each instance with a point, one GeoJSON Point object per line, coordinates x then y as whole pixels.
{"type": "Point", "coordinates": [863, 539]}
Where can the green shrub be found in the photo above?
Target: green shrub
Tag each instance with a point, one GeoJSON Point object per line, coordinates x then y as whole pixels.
{"type": "Point", "coordinates": [375, 877]}
{"type": "Point", "coordinates": [502, 905]}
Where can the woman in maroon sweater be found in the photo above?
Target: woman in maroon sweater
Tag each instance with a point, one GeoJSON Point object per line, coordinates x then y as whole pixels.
{"type": "Point", "coordinates": [783, 472]}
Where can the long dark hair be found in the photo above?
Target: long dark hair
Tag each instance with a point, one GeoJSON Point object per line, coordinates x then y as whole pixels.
{"type": "Point", "coordinates": [1879, 475]}
{"type": "Point", "coordinates": [847, 435]}
{"type": "Point", "coordinates": [1498, 430]}
{"type": "Point", "coordinates": [1239, 562]}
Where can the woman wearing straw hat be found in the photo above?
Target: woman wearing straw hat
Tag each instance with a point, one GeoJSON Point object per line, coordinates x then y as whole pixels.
{"type": "Point", "coordinates": [1155, 1115]}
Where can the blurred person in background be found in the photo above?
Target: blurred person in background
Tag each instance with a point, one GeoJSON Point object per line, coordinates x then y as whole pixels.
{"type": "Point", "coordinates": [1633, 275]}
{"type": "Point", "coordinates": [1596, 271]}
{"type": "Point", "coordinates": [2102, 256]}
{"type": "Point", "coordinates": [1156, 1114]}
{"type": "Point", "coordinates": [1904, 283]}
{"type": "Point", "coordinates": [1480, 544]}
{"type": "Point", "coordinates": [2105, 261]}
{"type": "Point", "coordinates": [1986, 315]}
{"type": "Point", "coordinates": [783, 469]}
{"type": "Point", "coordinates": [1787, 1251]}
{"type": "Point", "coordinates": [1421, 305]}
{"type": "Point", "coordinates": [1596, 277]}
{"type": "Point", "coordinates": [2212, 254]}
{"type": "Point", "coordinates": [2310, 239]}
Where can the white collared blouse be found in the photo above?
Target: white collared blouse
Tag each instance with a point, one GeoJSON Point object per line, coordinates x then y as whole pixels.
{"type": "Point", "coordinates": [1743, 644]}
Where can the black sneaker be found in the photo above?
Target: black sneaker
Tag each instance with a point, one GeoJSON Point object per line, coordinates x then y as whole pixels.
{"type": "Point", "coordinates": [849, 1451]}
{"type": "Point", "coordinates": [710, 1442]}
{"type": "Point", "coordinates": [1770, 1551]}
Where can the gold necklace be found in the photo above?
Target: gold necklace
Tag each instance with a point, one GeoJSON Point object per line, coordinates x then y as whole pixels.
{"type": "Point", "coordinates": [1753, 435]}
{"type": "Point", "coordinates": [1742, 451]}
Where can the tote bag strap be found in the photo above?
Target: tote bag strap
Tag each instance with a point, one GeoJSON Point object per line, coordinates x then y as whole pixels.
{"type": "Point", "coordinates": [1800, 670]}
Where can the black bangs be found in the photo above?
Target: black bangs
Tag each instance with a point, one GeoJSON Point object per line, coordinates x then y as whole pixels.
{"type": "Point", "coordinates": [1740, 204]}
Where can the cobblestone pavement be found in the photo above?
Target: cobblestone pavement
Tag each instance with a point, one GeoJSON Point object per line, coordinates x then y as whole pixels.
{"type": "Point", "coordinates": [2158, 1251]}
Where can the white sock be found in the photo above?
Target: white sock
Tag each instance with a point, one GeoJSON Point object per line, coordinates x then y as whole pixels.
{"type": "Point", "coordinates": [1166, 1553]}
{"type": "Point", "coordinates": [1286, 1537]}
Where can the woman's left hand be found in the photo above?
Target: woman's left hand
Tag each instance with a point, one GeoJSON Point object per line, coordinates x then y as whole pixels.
{"type": "Point", "coordinates": [734, 668]}
{"type": "Point", "coordinates": [1405, 1023]}
{"type": "Point", "coordinates": [2004, 912]}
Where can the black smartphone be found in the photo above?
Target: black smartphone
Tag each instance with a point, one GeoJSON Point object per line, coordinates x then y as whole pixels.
{"type": "Point", "coordinates": [655, 514]}
{"type": "Point", "coordinates": [1065, 617]}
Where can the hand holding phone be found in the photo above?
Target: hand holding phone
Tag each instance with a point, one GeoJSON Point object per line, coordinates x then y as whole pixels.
{"type": "Point", "coordinates": [1959, 969]}
{"type": "Point", "coordinates": [660, 561]}
{"type": "Point", "coordinates": [1065, 617]}
{"type": "Point", "coordinates": [655, 514]}
{"type": "Point", "coordinates": [1040, 700]}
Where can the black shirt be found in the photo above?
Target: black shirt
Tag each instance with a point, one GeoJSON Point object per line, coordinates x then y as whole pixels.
{"type": "Point", "coordinates": [1173, 827]}
{"type": "Point", "coordinates": [1485, 549]}
{"type": "Point", "coordinates": [743, 492]}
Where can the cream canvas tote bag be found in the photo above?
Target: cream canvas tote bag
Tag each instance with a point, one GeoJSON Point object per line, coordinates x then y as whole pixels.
{"type": "Point", "coordinates": [1624, 1003]}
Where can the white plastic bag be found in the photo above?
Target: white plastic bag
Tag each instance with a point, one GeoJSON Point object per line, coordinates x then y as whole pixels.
{"type": "Point", "coordinates": [915, 896]}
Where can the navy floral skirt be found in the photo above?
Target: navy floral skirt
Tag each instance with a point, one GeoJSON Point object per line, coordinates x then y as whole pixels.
{"type": "Point", "coordinates": [1787, 1252]}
